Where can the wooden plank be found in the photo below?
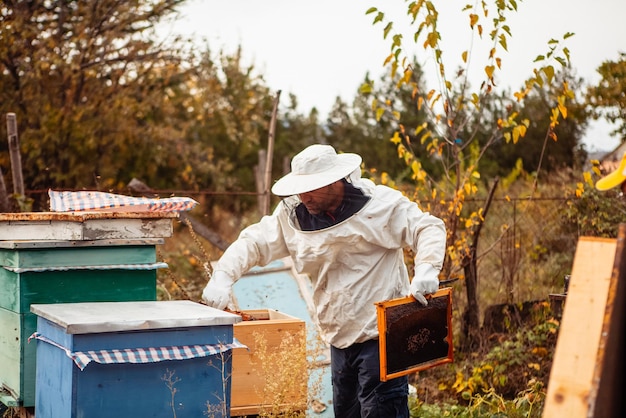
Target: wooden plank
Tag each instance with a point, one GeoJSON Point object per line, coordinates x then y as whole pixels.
{"type": "Point", "coordinates": [576, 353]}
{"type": "Point", "coordinates": [40, 230]}
{"type": "Point", "coordinates": [131, 228]}
{"type": "Point", "coordinates": [19, 290]}
{"type": "Point", "coordinates": [11, 357]}
{"type": "Point", "coordinates": [80, 256]}
{"type": "Point", "coordinates": [607, 394]}
{"type": "Point", "coordinates": [40, 244]}
{"type": "Point", "coordinates": [82, 216]}
{"type": "Point", "coordinates": [76, 226]}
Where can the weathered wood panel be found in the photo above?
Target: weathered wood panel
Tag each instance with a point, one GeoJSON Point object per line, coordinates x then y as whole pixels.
{"type": "Point", "coordinates": [576, 354]}
{"type": "Point", "coordinates": [76, 226]}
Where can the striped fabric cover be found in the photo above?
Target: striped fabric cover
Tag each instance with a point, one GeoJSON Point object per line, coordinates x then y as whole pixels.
{"type": "Point", "coordinates": [140, 355]}
{"type": "Point", "coordinates": [86, 200]}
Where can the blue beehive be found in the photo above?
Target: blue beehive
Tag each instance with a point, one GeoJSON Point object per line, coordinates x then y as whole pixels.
{"type": "Point", "coordinates": [138, 359]}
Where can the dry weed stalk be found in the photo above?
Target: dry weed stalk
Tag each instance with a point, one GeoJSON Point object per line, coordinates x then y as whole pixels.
{"type": "Point", "coordinates": [170, 382]}
{"type": "Point", "coordinates": [221, 408]}
{"type": "Point", "coordinates": [287, 371]}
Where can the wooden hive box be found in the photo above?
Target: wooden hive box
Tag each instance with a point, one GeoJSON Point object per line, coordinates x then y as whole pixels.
{"type": "Point", "coordinates": [172, 367]}
{"type": "Point", "coordinates": [53, 257]}
{"type": "Point", "coordinates": [271, 374]}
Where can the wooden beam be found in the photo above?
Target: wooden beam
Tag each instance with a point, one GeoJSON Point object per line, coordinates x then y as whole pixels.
{"type": "Point", "coordinates": [607, 395]}
{"type": "Point", "coordinates": [577, 355]}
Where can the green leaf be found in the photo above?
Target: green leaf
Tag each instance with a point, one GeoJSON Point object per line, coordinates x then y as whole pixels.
{"type": "Point", "coordinates": [387, 29]}
{"type": "Point", "coordinates": [366, 88]}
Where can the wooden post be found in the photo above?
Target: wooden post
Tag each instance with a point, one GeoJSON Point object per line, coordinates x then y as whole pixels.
{"type": "Point", "coordinates": [259, 175]}
{"type": "Point", "coordinates": [16, 159]}
{"type": "Point", "coordinates": [270, 154]}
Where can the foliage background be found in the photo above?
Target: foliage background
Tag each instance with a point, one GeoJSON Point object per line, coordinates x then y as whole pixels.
{"type": "Point", "coordinates": [99, 101]}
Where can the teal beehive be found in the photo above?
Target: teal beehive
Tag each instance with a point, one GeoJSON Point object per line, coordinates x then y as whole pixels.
{"type": "Point", "coordinates": [58, 258]}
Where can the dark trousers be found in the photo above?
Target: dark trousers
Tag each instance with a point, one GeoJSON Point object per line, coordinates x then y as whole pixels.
{"type": "Point", "coordinates": [357, 389]}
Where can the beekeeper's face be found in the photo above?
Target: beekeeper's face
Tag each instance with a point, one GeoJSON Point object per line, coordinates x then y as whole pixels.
{"type": "Point", "coordinates": [324, 199]}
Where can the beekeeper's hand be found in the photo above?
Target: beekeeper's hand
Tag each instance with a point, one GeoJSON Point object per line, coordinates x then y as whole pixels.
{"type": "Point", "coordinates": [425, 281]}
{"type": "Point", "coordinates": [217, 292]}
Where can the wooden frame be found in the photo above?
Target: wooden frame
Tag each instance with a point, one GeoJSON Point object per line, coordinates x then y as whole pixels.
{"type": "Point", "coordinates": [413, 337]}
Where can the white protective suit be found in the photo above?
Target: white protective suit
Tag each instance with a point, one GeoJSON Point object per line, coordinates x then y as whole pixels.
{"type": "Point", "coordinates": [352, 265]}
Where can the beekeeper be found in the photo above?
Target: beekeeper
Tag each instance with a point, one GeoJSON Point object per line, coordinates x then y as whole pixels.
{"type": "Point", "coordinates": [347, 234]}
{"type": "Point", "coordinates": [616, 178]}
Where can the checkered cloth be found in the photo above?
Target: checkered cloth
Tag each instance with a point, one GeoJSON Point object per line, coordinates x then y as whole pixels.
{"type": "Point", "coordinates": [140, 355]}
{"type": "Point", "coordinates": [86, 200]}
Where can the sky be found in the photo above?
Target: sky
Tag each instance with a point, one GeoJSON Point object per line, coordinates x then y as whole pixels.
{"type": "Point", "coordinates": [321, 49]}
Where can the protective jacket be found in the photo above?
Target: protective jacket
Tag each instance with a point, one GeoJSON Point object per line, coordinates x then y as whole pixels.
{"type": "Point", "coordinates": [351, 265]}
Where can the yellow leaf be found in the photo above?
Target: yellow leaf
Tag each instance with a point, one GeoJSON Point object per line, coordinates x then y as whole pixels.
{"type": "Point", "coordinates": [563, 110]}
{"type": "Point", "coordinates": [379, 113]}
{"type": "Point", "coordinates": [534, 366]}
{"type": "Point", "coordinates": [516, 134]}
{"type": "Point", "coordinates": [464, 56]}
{"type": "Point", "coordinates": [431, 40]}
{"type": "Point", "coordinates": [522, 130]}
{"type": "Point", "coordinates": [489, 71]}
{"type": "Point", "coordinates": [473, 19]}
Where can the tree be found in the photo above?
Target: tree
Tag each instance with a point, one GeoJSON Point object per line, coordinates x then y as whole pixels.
{"type": "Point", "coordinates": [93, 91]}
{"type": "Point", "coordinates": [607, 98]}
{"type": "Point", "coordinates": [459, 132]}
{"type": "Point", "coordinates": [100, 100]}
{"type": "Point", "coordinates": [354, 128]}
{"type": "Point", "coordinates": [541, 153]}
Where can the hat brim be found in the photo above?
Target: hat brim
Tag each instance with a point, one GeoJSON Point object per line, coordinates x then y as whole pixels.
{"type": "Point", "coordinates": [292, 184]}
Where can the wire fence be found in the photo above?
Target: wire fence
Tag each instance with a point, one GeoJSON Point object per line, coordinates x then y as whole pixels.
{"type": "Point", "coordinates": [524, 251]}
